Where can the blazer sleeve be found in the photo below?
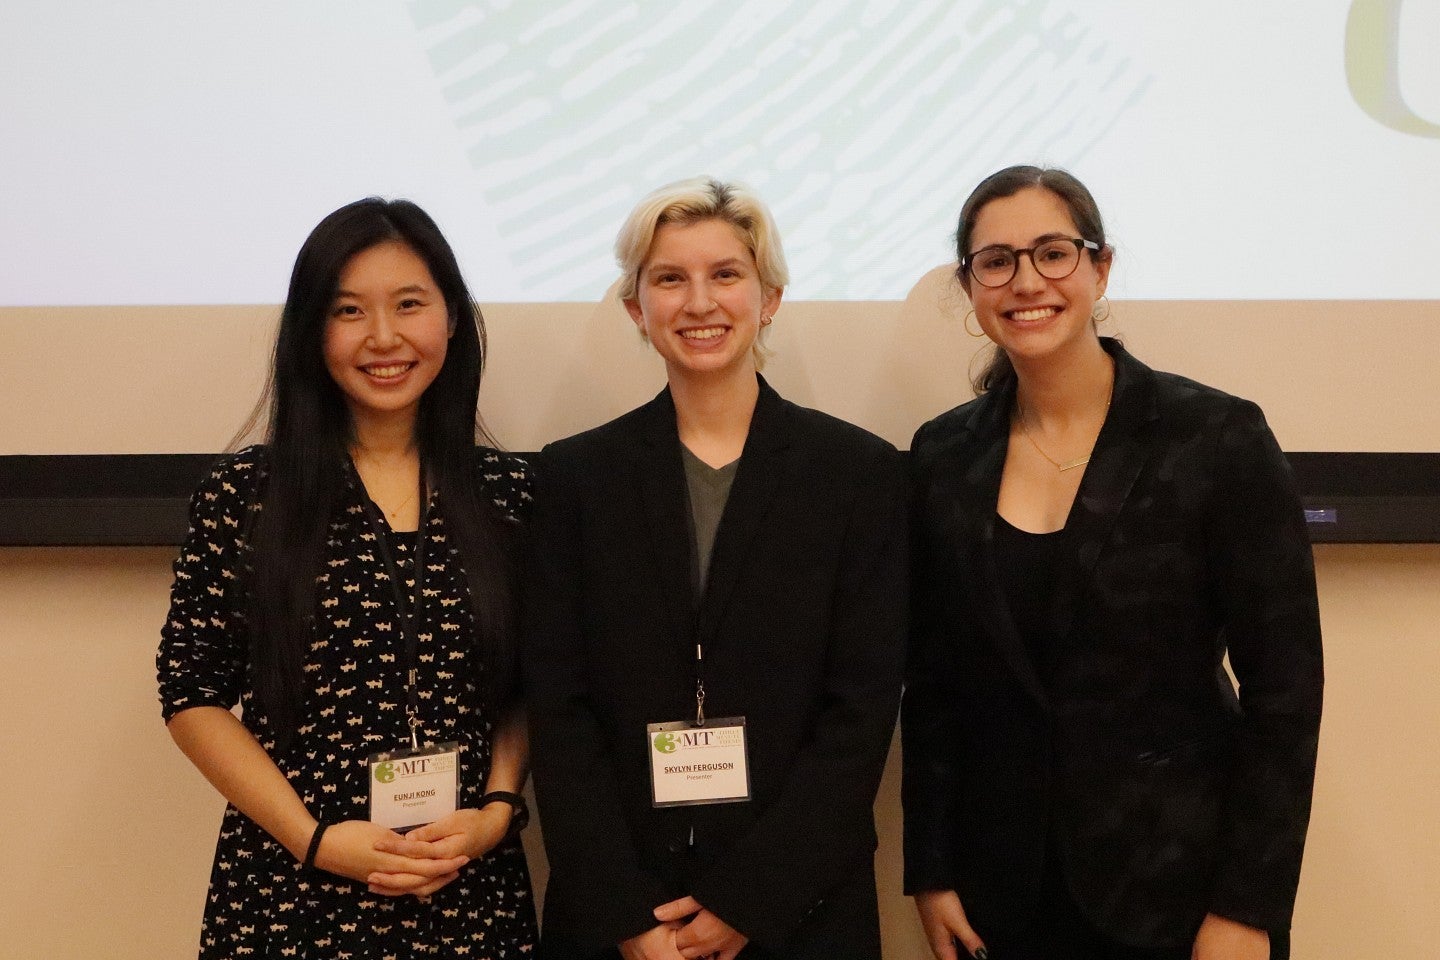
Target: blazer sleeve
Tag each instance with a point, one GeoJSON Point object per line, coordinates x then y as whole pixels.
{"type": "Point", "coordinates": [929, 716]}
{"type": "Point", "coordinates": [587, 838]}
{"type": "Point", "coordinates": [1265, 580]}
{"type": "Point", "coordinates": [821, 827]}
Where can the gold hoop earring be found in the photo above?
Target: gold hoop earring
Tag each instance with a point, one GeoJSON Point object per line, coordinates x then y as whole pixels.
{"type": "Point", "coordinates": [1096, 317]}
{"type": "Point", "coordinates": [766, 321]}
{"type": "Point", "coordinates": [965, 322]}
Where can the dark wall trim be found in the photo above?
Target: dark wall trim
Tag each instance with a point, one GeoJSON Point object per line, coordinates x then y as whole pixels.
{"type": "Point", "coordinates": [98, 499]}
{"type": "Point", "coordinates": [142, 499]}
{"type": "Point", "coordinates": [1370, 497]}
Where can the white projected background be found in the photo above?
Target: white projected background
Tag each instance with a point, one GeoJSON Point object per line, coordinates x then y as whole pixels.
{"type": "Point", "coordinates": [177, 153]}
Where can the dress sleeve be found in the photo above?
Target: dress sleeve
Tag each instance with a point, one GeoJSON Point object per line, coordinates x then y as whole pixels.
{"type": "Point", "coordinates": [203, 650]}
{"type": "Point", "coordinates": [808, 839]}
{"type": "Point", "coordinates": [1264, 576]}
{"type": "Point", "coordinates": [506, 480]}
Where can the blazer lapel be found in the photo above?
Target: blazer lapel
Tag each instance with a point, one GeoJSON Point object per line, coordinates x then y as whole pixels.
{"type": "Point", "coordinates": [762, 464]}
{"type": "Point", "coordinates": [1120, 453]}
{"type": "Point", "coordinates": [660, 478]}
{"type": "Point", "coordinates": [978, 464]}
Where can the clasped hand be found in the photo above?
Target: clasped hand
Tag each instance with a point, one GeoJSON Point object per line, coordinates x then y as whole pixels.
{"type": "Point", "coordinates": [702, 935]}
{"type": "Point", "coordinates": [418, 863]}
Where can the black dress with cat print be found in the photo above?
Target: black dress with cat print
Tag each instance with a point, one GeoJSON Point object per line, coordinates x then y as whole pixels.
{"type": "Point", "coordinates": [261, 902]}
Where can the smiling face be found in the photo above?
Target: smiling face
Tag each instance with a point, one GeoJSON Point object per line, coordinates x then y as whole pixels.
{"type": "Point", "coordinates": [1031, 317]}
{"type": "Point", "coordinates": [386, 333]}
{"type": "Point", "coordinates": [700, 301]}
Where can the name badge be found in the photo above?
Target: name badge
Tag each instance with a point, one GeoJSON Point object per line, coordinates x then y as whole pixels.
{"type": "Point", "coordinates": [691, 765]}
{"type": "Point", "coordinates": [410, 788]}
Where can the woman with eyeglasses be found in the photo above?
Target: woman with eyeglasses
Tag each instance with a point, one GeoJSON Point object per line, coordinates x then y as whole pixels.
{"type": "Point", "coordinates": [1092, 538]}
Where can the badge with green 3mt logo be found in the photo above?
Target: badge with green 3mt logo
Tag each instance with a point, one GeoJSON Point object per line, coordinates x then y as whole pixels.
{"type": "Point", "coordinates": [413, 787]}
{"type": "Point", "coordinates": [692, 764]}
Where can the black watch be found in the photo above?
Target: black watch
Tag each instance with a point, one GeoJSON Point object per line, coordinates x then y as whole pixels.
{"type": "Point", "coordinates": [520, 815]}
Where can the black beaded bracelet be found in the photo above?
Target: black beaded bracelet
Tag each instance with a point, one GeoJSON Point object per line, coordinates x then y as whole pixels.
{"type": "Point", "coordinates": [521, 811]}
{"type": "Point", "coordinates": [314, 848]}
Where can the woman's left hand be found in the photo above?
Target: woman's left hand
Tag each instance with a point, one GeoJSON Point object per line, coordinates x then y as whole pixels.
{"type": "Point", "coordinates": [704, 935]}
{"type": "Point", "coordinates": [1222, 939]}
{"type": "Point", "coordinates": [469, 833]}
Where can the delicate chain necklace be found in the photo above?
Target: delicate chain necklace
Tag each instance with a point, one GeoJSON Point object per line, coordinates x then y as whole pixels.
{"type": "Point", "coordinates": [1068, 464]}
{"type": "Point", "coordinates": [393, 512]}
{"type": "Point", "coordinates": [1062, 467]}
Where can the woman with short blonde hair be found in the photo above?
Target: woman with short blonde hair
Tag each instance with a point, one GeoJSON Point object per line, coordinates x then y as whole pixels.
{"type": "Point", "coordinates": [723, 565]}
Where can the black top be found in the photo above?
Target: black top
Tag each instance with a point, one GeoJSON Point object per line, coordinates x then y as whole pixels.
{"type": "Point", "coordinates": [1029, 567]}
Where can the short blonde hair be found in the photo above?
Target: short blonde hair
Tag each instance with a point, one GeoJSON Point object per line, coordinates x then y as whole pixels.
{"type": "Point", "coordinates": [693, 200]}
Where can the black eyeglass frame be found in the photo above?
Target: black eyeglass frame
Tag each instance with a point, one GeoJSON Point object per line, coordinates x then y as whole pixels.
{"type": "Point", "coordinates": [968, 263]}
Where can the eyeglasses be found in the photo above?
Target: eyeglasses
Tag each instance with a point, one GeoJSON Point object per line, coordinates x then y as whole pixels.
{"type": "Point", "coordinates": [1053, 260]}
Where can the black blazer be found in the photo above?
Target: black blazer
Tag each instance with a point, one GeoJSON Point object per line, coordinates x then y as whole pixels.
{"type": "Point", "coordinates": [1163, 795]}
{"type": "Point", "coordinates": [803, 618]}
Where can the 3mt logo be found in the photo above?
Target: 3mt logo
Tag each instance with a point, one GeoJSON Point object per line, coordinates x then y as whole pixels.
{"type": "Point", "coordinates": [670, 742]}
{"type": "Point", "coordinates": [414, 766]}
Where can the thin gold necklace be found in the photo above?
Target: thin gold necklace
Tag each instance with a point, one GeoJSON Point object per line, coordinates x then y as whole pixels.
{"type": "Point", "coordinates": [393, 514]}
{"type": "Point", "coordinates": [395, 511]}
{"type": "Point", "coordinates": [1069, 464]}
{"type": "Point", "coordinates": [1062, 467]}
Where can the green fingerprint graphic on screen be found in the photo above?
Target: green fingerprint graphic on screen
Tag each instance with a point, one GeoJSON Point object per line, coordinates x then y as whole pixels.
{"type": "Point", "coordinates": [569, 112]}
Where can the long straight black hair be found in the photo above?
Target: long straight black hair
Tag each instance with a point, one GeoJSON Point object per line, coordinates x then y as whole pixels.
{"type": "Point", "coordinates": [309, 435]}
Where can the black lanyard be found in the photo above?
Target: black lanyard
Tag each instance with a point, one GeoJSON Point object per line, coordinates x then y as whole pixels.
{"type": "Point", "coordinates": [409, 610]}
{"type": "Point", "coordinates": [699, 683]}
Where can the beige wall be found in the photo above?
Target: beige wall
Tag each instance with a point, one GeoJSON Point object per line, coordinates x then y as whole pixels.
{"type": "Point", "coordinates": [107, 832]}
{"type": "Point", "coordinates": [1331, 375]}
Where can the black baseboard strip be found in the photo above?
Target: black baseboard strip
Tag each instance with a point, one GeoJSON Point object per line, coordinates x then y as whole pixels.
{"type": "Point", "coordinates": [98, 499]}
{"type": "Point", "coordinates": [142, 499]}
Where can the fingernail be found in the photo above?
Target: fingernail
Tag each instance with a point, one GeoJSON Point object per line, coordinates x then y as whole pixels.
{"type": "Point", "coordinates": [981, 954]}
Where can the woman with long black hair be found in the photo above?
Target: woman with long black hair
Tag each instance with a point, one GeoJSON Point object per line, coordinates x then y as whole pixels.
{"type": "Point", "coordinates": [348, 583]}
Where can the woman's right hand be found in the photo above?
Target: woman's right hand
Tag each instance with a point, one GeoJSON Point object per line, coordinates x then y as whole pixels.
{"type": "Point", "coordinates": [359, 849]}
{"type": "Point", "coordinates": [232, 759]}
{"type": "Point", "coordinates": [944, 921]}
{"type": "Point", "coordinates": [657, 943]}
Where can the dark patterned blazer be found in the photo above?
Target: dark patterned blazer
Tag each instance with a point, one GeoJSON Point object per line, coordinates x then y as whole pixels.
{"type": "Point", "coordinates": [1163, 795]}
{"type": "Point", "coordinates": [803, 618]}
